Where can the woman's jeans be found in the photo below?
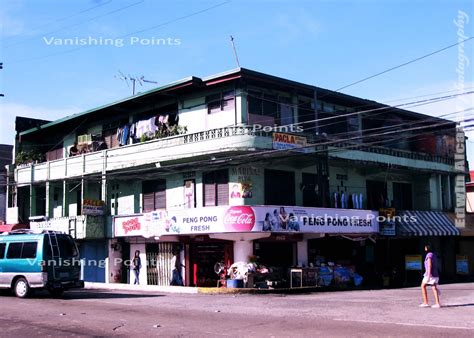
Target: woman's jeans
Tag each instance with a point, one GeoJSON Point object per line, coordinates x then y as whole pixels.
{"type": "Point", "coordinates": [137, 276]}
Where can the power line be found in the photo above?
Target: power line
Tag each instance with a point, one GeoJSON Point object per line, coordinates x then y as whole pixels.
{"type": "Point", "coordinates": [405, 63]}
{"type": "Point", "coordinates": [66, 17]}
{"type": "Point", "coordinates": [78, 24]}
{"type": "Point", "coordinates": [129, 34]}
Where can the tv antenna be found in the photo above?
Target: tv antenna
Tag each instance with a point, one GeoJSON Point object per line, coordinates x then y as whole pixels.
{"type": "Point", "coordinates": [133, 80]}
{"type": "Point", "coordinates": [235, 51]}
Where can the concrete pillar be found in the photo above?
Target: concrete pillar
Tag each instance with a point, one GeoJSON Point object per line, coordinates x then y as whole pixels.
{"type": "Point", "coordinates": [143, 274]}
{"type": "Point", "coordinates": [302, 252]}
{"type": "Point", "coordinates": [242, 250]}
{"type": "Point", "coordinates": [113, 268]}
{"type": "Point", "coordinates": [47, 211]}
{"type": "Point", "coordinates": [440, 192]}
{"type": "Point", "coordinates": [32, 201]}
{"type": "Point", "coordinates": [65, 199]}
{"type": "Point", "coordinates": [296, 117]}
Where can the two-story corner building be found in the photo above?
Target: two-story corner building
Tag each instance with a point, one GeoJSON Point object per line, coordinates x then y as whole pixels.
{"type": "Point", "coordinates": [237, 166]}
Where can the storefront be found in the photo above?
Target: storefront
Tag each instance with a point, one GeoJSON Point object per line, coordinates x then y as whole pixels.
{"type": "Point", "coordinates": [399, 254]}
{"type": "Point", "coordinates": [274, 237]}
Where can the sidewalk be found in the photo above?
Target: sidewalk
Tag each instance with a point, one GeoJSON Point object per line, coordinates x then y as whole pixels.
{"type": "Point", "coordinates": [195, 290]}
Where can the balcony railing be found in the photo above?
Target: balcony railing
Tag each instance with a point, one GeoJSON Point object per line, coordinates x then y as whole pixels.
{"type": "Point", "coordinates": [79, 227]}
{"type": "Point", "coordinates": [212, 141]}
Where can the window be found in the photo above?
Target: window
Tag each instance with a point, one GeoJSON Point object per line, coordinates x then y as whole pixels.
{"type": "Point", "coordinates": [279, 187]}
{"type": "Point", "coordinates": [67, 247]}
{"type": "Point", "coordinates": [55, 154]}
{"type": "Point", "coordinates": [29, 250]}
{"type": "Point", "coordinates": [2, 250]}
{"type": "Point", "coordinates": [22, 250]}
{"type": "Point", "coordinates": [154, 195]}
{"type": "Point", "coordinates": [216, 188]}
{"type": "Point", "coordinates": [14, 250]}
{"type": "Point", "coordinates": [220, 102]}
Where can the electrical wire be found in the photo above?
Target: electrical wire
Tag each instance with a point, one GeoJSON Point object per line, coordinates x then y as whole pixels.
{"type": "Point", "coordinates": [165, 23]}
{"type": "Point", "coordinates": [115, 11]}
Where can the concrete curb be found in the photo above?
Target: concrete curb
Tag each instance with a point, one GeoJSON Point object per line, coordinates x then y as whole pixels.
{"type": "Point", "coordinates": [140, 288]}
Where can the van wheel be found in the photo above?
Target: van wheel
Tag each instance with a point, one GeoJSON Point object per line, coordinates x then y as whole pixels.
{"type": "Point", "coordinates": [56, 293]}
{"type": "Point", "coordinates": [22, 288]}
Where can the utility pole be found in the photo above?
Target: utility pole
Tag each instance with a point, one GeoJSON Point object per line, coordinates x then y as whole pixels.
{"type": "Point", "coordinates": [1, 67]}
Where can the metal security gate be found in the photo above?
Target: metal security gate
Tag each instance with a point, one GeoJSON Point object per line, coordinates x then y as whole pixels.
{"type": "Point", "coordinates": [159, 269]}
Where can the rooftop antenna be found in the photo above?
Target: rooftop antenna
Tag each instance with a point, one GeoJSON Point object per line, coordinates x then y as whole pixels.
{"type": "Point", "coordinates": [235, 51]}
{"type": "Point", "coordinates": [133, 79]}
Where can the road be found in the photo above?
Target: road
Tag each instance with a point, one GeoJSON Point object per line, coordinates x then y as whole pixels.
{"type": "Point", "coordinates": [350, 313]}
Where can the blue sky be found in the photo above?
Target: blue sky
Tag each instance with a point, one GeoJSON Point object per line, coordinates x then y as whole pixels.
{"type": "Point", "coordinates": [326, 43]}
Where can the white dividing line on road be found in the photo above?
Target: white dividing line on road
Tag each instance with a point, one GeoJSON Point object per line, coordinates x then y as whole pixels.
{"type": "Point", "coordinates": [405, 324]}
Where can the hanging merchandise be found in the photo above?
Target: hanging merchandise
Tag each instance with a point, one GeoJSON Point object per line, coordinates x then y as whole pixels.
{"type": "Point", "coordinates": [343, 200]}
{"type": "Point", "coordinates": [355, 201]}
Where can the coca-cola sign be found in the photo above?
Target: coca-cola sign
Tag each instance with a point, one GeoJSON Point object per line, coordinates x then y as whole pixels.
{"type": "Point", "coordinates": [239, 218]}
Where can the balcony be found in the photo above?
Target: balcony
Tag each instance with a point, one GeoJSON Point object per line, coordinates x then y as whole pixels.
{"type": "Point", "coordinates": [214, 141]}
{"type": "Point", "coordinates": [79, 227]}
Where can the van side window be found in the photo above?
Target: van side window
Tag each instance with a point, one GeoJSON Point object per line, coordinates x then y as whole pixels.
{"type": "Point", "coordinates": [29, 250]}
{"type": "Point", "coordinates": [2, 250]}
{"type": "Point", "coordinates": [14, 250]}
{"type": "Point", "coordinates": [22, 250]}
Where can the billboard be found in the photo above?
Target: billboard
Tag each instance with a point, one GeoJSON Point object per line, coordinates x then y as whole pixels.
{"type": "Point", "coordinates": [236, 219]}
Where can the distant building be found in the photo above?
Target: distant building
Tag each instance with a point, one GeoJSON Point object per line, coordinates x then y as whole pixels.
{"type": "Point", "coordinates": [6, 152]}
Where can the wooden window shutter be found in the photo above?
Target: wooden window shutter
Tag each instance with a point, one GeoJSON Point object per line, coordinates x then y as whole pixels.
{"type": "Point", "coordinates": [209, 194]}
{"type": "Point", "coordinates": [160, 195]}
{"type": "Point", "coordinates": [223, 194]}
{"type": "Point", "coordinates": [222, 181]}
{"type": "Point", "coordinates": [148, 202]}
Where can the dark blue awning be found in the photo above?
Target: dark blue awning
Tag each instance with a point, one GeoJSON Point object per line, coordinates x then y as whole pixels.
{"type": "Point", "coordinates": [425, 223]}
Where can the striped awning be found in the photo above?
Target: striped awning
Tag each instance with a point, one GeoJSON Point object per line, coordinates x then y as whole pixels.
{"type": "Point", "coordinates": [425, 223]}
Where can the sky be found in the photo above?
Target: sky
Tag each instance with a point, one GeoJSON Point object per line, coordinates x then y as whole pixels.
{"type": "Point", "coordinates": [49, 72]}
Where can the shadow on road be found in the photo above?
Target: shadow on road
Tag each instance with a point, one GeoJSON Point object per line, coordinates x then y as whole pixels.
{"type": "Point", "coordinates": [459, 305]}
{"type": "Point", "coordinates": [86, 295]}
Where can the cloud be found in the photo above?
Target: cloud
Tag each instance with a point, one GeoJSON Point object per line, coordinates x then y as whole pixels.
{"type": "Point", "coordinates": [297, 26]}
{"type": "Point", "coordinates": [12, 110]}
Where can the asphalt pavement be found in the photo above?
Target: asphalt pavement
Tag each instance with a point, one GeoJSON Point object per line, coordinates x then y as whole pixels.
{"type": "Point", "coordinates": [379, 313]}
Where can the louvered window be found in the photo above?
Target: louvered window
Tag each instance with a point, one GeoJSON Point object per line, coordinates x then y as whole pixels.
{"type": "Point", "coordinates": [154, 195]}
{"type": "Point", "coordinates": [216, 188]}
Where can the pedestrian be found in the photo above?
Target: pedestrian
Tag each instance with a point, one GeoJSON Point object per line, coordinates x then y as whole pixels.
{"type": "Point", "coordinates": [431, 277]}
{"type": "Point", "coordinates": [137, 265]}
{"type": "Point", "coordinates": [176, 266]}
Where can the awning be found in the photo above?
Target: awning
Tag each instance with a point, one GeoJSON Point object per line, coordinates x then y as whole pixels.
{"type": "Point", "coordinates": [10, 227]}
{"type": "Point", "coordinates": [425, 223]}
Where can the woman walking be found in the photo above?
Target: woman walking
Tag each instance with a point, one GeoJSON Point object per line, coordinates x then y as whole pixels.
{"type": "Point", "coordinates": [431, 277]}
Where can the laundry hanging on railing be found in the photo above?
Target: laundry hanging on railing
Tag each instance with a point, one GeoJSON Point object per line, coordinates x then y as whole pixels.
{"type": "Point", "coordinates": [122, 134]}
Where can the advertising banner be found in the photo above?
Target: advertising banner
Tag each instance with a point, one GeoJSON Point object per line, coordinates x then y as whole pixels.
{"type": "Point", "coordinates": [229, 219]}
{"type": "Point", "coordinates": [462, 265]}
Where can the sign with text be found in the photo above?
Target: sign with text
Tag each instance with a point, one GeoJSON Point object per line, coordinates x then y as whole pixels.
{"type": "Point", "coordinates": [288, 141]}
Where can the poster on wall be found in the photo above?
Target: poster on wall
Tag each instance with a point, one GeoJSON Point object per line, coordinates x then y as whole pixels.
{"type": "Point", "coordinates": [387, 226]}
{"type": "Point", "coordinates": [189, 194]}
{"type": "Point", "coordinates": [244, 177]}
{"type": "Point", "coordinates": [413, 262]}
{"type": "Point", "coordinates": [462, 265]}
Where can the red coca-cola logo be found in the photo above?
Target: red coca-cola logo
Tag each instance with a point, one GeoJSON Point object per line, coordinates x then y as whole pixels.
{"type": "Point", "coordinates": [240, 218]}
